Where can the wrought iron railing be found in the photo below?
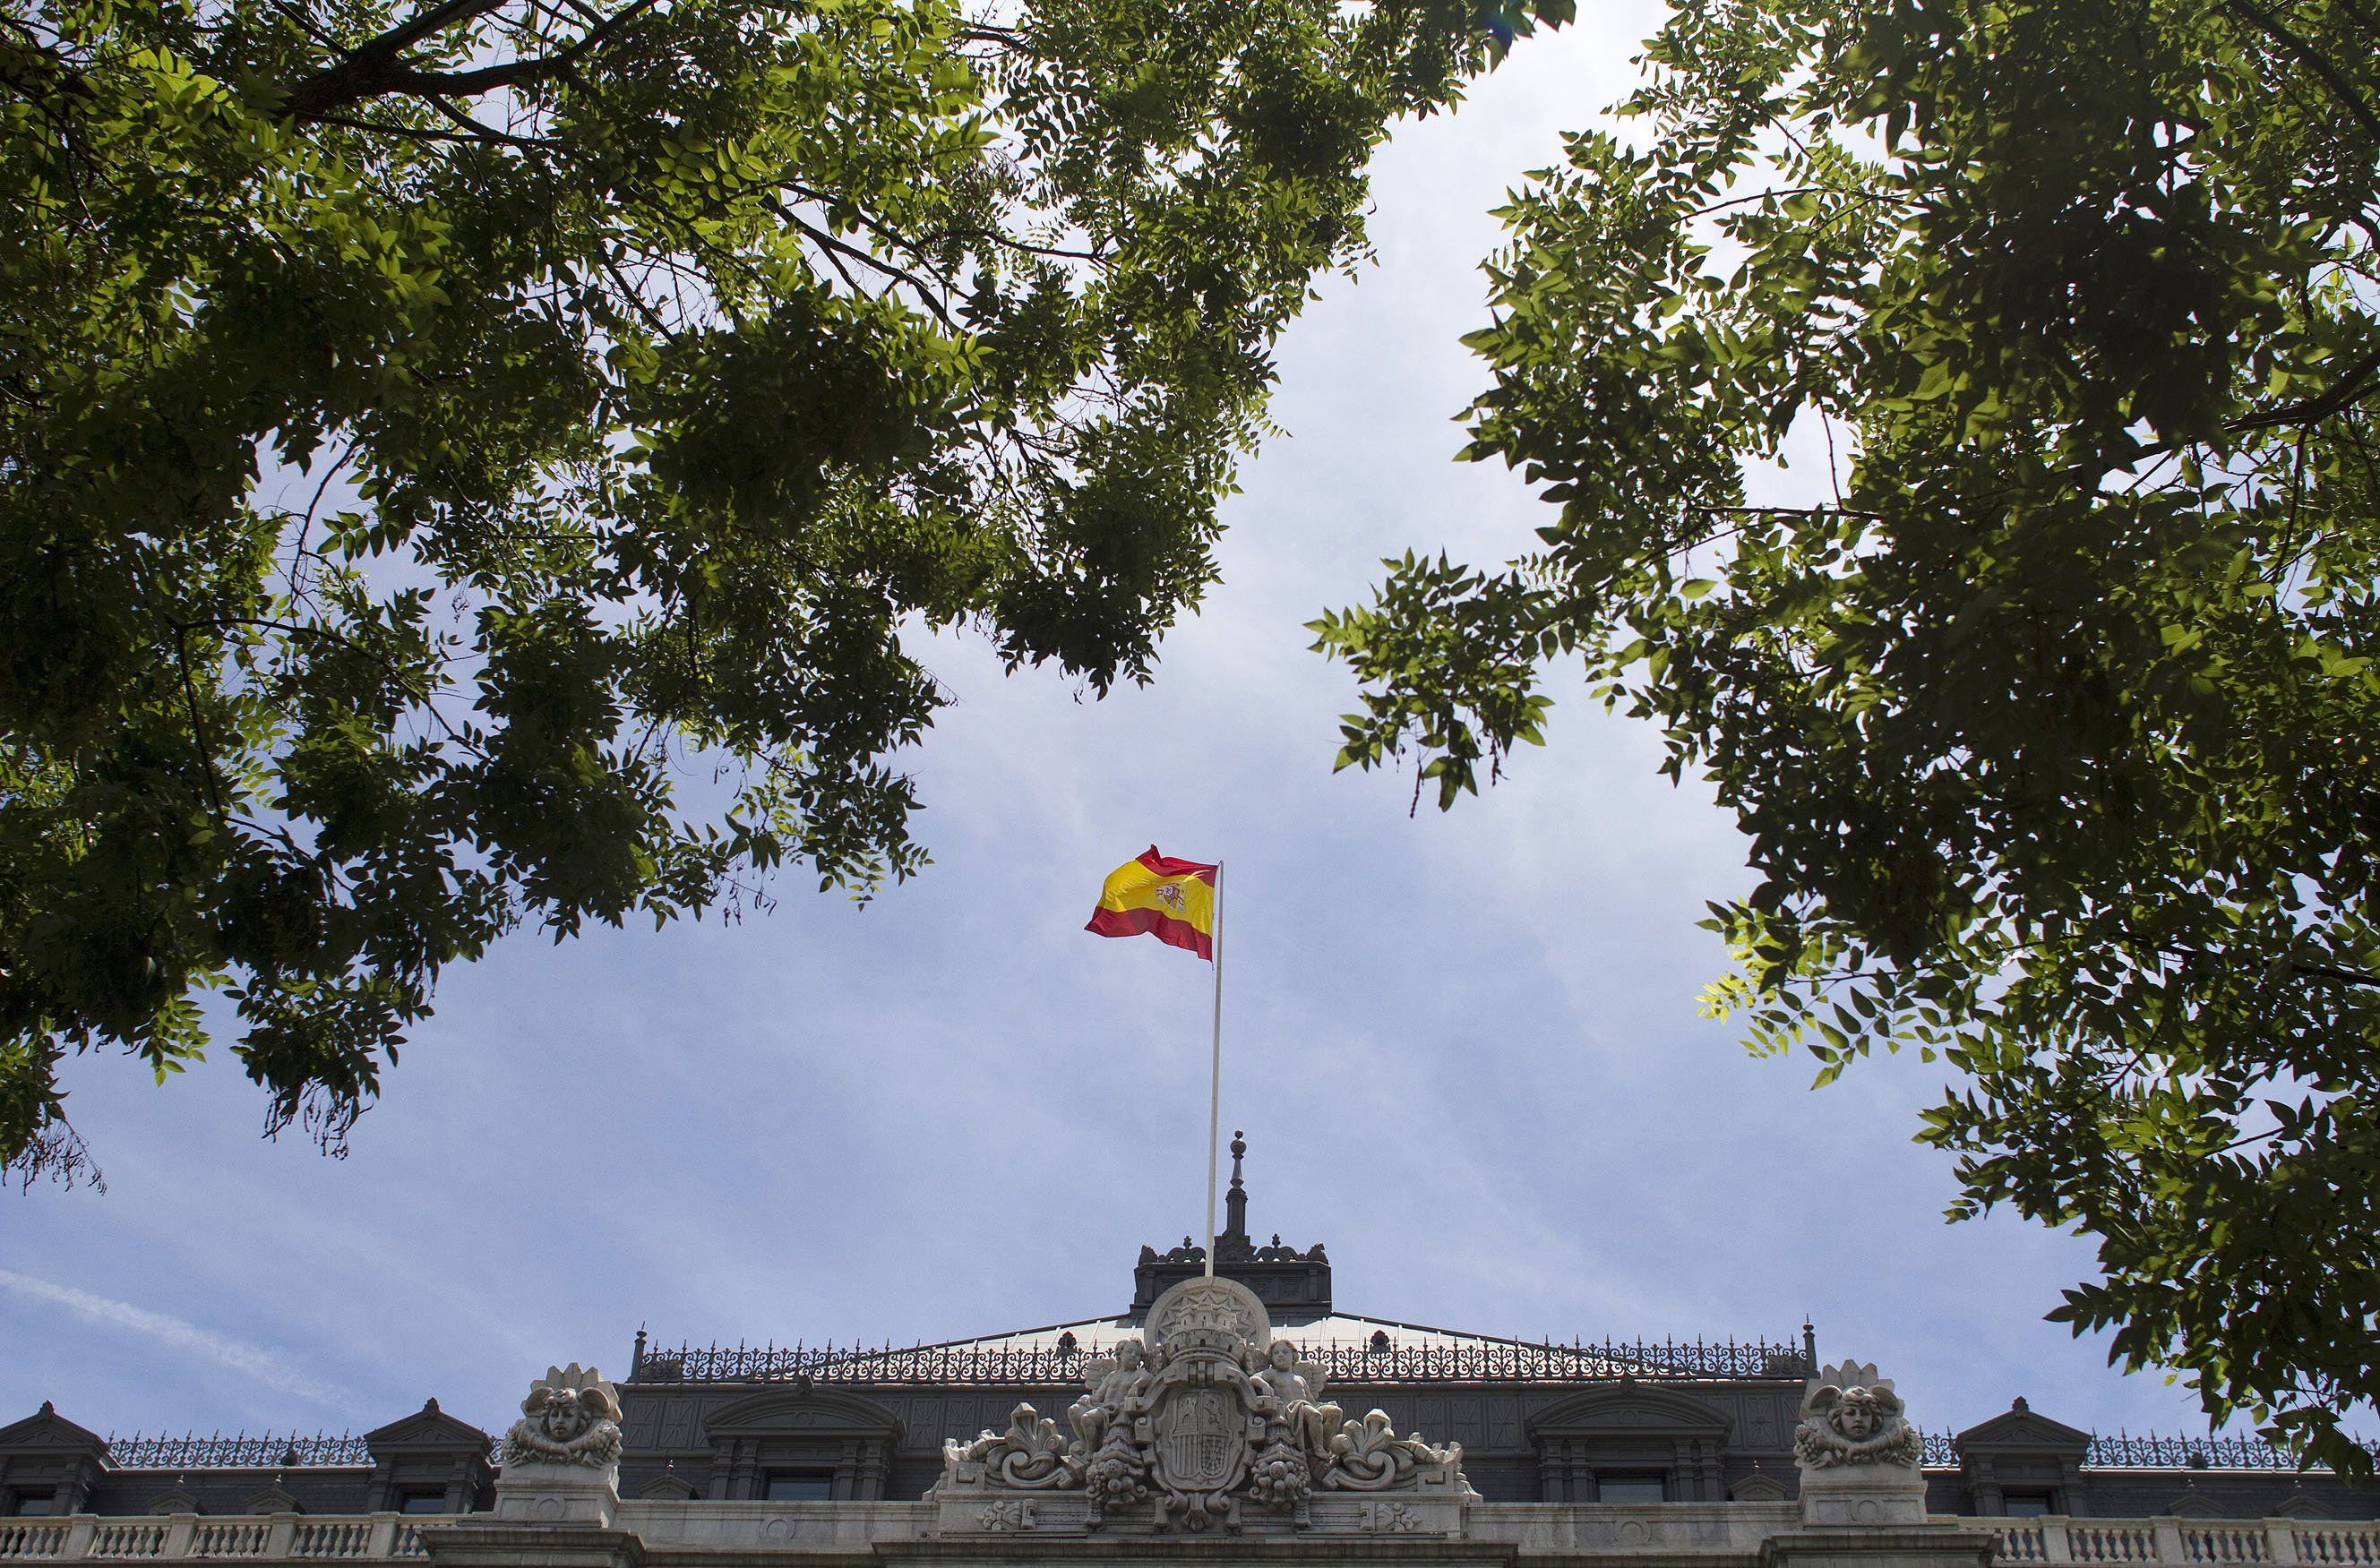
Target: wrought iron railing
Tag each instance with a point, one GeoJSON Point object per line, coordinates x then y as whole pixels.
{"type": "Point", "coordinates": [2125, 1451]}
{"type": "Point", "coordinates": [1499, 1362]}
{"type": "Point", "coordinates": [218, 1453]}
{"type": "Point", "coordinates": [241, 1451]}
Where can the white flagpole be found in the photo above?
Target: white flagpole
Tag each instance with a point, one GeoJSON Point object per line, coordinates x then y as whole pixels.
{"type": "Point", "coordinates": [1215, 1072]}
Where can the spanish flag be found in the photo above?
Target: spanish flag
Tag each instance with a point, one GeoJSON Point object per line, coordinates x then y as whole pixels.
{"type": "Point", "coordinates": [1172, 900]}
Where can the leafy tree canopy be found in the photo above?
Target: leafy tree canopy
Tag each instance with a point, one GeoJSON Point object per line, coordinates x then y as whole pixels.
{"type": "Point", "coordinates": [428, 434]}
{"type": "Point", "coordinates": [2053, 730]}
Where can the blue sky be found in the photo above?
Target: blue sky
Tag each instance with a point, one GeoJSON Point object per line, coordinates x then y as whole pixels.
{"type": "Point", "coordinates": [1464, 1047]}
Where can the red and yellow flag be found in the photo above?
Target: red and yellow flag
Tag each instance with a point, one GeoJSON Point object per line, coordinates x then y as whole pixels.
{"type": "Point", "coordinates": [1172, 900]}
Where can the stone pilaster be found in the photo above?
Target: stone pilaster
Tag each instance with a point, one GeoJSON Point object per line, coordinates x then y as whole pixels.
{"type": "Point", "coordinates": [1917, 1546]}
{"type": "Point", "coordinates": [558, 1494]}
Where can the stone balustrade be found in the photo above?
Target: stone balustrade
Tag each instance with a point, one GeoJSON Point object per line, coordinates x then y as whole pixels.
{"type": "Point", "coordinates": [291, 1537]}
{"type": "Point", "coordinates": [1649, 1531]}
{"type": "Point", "coordinates": [2186, 1542]}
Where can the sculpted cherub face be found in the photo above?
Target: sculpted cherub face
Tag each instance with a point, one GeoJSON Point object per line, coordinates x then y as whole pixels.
{"type": "Point", "coordinates": [563, 1417]}
{"type": "Point", "coordinates": [1128, 1355]}
{"type": "Point", "coordinates": [1857, 1418]}
{"type": "Point", "coordinates": [1284, 1355]}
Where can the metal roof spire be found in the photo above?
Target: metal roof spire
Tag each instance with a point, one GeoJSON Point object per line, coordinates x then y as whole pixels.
{"type": "Point", "coordinates": [1235, 1202]}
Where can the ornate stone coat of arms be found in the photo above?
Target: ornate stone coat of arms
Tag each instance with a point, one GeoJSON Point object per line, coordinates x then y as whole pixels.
{"type": "Point", "coordinates": [1211, 1414]}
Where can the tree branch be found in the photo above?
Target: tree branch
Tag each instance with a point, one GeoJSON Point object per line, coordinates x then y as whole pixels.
{"type": "Point", "coordinates": [378, 69]}
{"type": "Point", "coordinates": [197, 725]}
{"type": "Point", "coordinates": [2313, 410]}
{"type": "Point", "coordinates": [351, 80]}
{"type": "Point", "coordinates": [833, 246]}
{"type": "Point", "coordinates": [2279, 33]}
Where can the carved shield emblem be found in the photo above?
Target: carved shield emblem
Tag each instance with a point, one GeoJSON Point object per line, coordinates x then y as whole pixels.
{"type": "Point", "coordinates": [1202, 1440]}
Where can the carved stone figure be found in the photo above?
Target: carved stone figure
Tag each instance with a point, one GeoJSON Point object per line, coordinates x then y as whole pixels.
{"type": "Point", "coordinates": [1851, 1417]}
{"type": "Point", "coordinates": [1368, 1455]}
{"type": "Point", "coordinates": [1119, 1390]}
{"type": "Point", "coordinates": [1295, 1388]}
{"type": "Point", "coordinates": [571, 1416]}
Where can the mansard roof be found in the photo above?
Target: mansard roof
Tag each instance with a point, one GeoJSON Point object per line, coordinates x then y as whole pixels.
{"type": "Point", "coordinates": [1334, 1331]}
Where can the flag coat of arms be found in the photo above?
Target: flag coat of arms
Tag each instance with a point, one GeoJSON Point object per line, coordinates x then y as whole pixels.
{"type": "Point", "coordinates": [1171, 901]}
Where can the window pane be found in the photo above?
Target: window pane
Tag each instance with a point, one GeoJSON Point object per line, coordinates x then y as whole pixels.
{"type": "Point", "coordinates": [421, 1502]}
{"type": "Point", "coordinates": [34, 1504]}
{"type": "Point", "coordinates": [1629, 1489]}
{"type": "Point", "coordinates": [2027, 1507]}
{"type": "Point", "coordinates": [800, 1489]}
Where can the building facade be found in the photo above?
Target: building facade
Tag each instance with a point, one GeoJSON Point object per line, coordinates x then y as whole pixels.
{"type": "Point", "coordinates": [1244, 1417]}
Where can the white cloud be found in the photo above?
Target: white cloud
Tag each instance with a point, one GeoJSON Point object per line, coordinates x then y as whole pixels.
{"type": "Point", "coordinates": [249, 1361]}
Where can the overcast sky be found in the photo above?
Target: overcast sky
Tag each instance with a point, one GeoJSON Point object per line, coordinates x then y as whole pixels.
{"type": "Point", "coordinates": [1464, 1047]}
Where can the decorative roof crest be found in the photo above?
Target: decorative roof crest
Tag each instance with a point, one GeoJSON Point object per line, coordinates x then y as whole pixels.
{"type": "Point", "coordinates": [1210, 1415]}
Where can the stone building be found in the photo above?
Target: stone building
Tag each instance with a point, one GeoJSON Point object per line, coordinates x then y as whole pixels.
{"type": "Point", "coordinates": [1244, 1418]}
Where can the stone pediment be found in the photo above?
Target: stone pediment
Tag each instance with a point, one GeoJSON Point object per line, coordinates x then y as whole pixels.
{"type": "Point", "coordinates": [175, 1500]}
{"type": "Point", "coordinates": [46, 1431]}
{"type": "Point", "coordinates": [427, 1429]}
{"type": "Point", "coordinates": [801, 1412]}
{"type": "Point", "coordinates": [667, 1487]}
{"type": "Point", "coordinates": [1634, 1410]}
{"type": "Point", "coordinates": [1759, 1486]}
{"type": "Point", "coordinates": [2021, 1430]}
{"type": "Point", "coordinates": [274, 1498]}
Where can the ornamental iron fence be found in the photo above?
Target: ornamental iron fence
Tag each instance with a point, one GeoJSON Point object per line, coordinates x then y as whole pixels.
{"type": "Point", "coordinates": [2125, 1451]}
{"type": "Point", "coordinates": [2150, 1452]}
{"type": "Point", "coordinates": [220, 1453]}
{"type": "Point", "coordinates": [240, 1451]}
{"type": "Point", "coordinates": [1062, 1363]}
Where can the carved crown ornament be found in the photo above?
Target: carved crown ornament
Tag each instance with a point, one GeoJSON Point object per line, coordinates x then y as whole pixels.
{"type": "Point", "coordinates": [1851, 1417]}
{"type": "Point", "coordinates": [571, 1416]}
{"type": "Point", "coordinates": [1207, 1414]}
